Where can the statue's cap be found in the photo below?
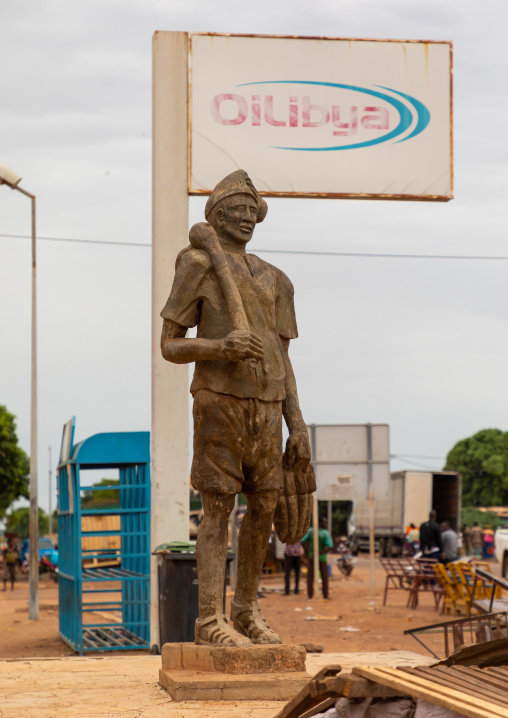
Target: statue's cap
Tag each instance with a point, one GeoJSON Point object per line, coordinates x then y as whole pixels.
{"type": "Point", "coordinates": [237, 182]}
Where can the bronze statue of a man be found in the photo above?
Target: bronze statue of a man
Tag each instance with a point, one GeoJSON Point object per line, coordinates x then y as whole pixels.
{"type": "Point", "coordinates": [243, 384]}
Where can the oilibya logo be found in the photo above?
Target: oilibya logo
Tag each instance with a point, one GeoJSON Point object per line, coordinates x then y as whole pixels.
{"type": "Point", "coordinates": [344, 120]}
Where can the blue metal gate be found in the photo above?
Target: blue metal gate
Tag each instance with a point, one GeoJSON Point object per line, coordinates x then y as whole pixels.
{"type": "Point", "coordinates": [104, 552]}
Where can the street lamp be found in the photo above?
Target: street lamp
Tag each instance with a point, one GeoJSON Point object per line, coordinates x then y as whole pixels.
{"type": "Point", "coordinates": [10, 178]}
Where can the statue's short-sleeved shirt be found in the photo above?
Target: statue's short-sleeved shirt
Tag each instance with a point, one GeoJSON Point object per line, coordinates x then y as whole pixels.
{"type": "Point", "coordinates": [196, 299]}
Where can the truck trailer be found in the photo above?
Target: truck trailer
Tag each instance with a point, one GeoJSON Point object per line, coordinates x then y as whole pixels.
{"type": "Point", "coordinates": [412, 495]}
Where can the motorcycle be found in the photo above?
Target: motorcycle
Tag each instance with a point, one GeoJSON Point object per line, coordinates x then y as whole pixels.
{"type": "Point", "coordinates": [410, 548]}
{"type": "Point", "coordinates": [46, 565]}
{"type": "Point", "coordinates": [345, 560]}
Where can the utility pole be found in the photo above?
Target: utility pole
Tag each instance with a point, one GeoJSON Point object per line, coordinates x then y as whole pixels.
{"type": "Point", "coordinates": [50, 490]}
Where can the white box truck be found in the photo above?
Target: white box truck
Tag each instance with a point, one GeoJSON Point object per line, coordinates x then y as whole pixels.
{"type": "Point", "coordinates": [412, 495]}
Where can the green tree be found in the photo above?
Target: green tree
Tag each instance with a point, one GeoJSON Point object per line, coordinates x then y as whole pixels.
{"type": "Point", "coordinates": [14, 463]}
{"type": "Point", "coordinates": [18, 521]}
{"type": "Point", "coordinates": [341, 511]}
{"type": "Point", "coordinates": [470, 514]}
{"type": "Point", "coordinates": [105, 498]}
{"type": "Point", "coordinates": [483, 462]}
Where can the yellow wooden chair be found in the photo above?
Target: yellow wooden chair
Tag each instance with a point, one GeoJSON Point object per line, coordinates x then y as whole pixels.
{"type": "Point", "coordinates": [463, 588]}
{"type": "Point", "coordinates": [483, 589]}
{"type": "Point", "coordinates": [466, 571]}
{"type": "Point", "coordinates": [453, 601]}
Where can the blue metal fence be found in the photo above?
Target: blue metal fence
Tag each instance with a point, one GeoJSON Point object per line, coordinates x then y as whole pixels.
{"type": "Point", "coordinates": [104, 594]}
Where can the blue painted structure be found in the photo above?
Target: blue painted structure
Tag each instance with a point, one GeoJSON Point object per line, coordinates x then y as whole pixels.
{"type": "Point", "coordinates": [124, 579]}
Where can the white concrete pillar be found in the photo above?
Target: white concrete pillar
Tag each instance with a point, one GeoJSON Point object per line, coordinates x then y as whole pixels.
{"type": "Point", "coordinates": [170, 227]}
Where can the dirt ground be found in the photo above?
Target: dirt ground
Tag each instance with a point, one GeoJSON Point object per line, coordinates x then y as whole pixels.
{"type": "Point", "coordinates": [352, 621]}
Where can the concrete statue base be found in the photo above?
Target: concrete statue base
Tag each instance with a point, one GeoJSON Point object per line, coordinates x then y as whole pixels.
{"type": "Point", "coordinates": [271, 672]}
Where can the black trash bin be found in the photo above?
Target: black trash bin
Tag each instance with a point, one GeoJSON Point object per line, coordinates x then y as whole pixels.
{"type": "Point", "coordinates": [178, 596]}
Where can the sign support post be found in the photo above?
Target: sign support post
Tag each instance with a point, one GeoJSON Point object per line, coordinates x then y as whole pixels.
{"type": "Point", "coordinates": [170, 227]}
{"type": "Point", "coordinates": [372, 551]}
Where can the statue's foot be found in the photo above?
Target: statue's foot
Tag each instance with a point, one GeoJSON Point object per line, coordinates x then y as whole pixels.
{"type": "Point", "coordinates": [248, 620]}
{"type": "Point", "coordinates": [215, 631]}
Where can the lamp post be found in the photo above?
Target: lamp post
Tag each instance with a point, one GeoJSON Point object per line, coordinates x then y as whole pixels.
{"type": "Point", "coordinates": [10, 178]}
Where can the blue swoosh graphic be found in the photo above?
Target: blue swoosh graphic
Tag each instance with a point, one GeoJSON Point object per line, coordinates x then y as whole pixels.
{"type": "Point", "coordinates": [421, 110]}
{"type": "Point", "coordinates": [405, 114]}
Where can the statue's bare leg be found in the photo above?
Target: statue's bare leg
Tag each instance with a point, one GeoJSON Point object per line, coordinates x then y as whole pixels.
{"type": "Point", "coordinates": [211, 550]}
{"type": "Point", "coordinates": [252, 544]}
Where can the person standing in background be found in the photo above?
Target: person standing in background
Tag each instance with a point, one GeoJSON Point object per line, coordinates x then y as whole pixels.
{"type": "Point", "coordinates": [466, 536]}
{"type": "Point", "coordinates": [413, 539]}
{"type": "Point", "coordinates": [10, 558]}
{"type": "Point", "coordinates": [280, 552]}
{"type": "Point", "coordinates": [292, 562]}
{"type": "Point", "coordinates": [488, 542]}
{"type": "Point", "coordinates": [430, 538]}
{"type": "Point", "coordinates": [325, 544]}
{"type": "Point", "coordinates": [477, 539]}
{"type": "Point", "coordinates": [450, 542]}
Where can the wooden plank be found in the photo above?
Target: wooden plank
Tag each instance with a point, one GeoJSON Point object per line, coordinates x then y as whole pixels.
{"type": "Point", "coordinates": [358, 687]}
{"type": "Point", "coordinates": [466, 705]}
{"type": "Point", "coordinates": [310, 696]}
{"type": "Point", "coordinates": [328, 703]}
{"type": "Point", "coordinates": [485, 677]}
{"type": "Point", "coordinates": [497, 671]}
{"type": "Point", "coordinates": [467, 683]}
{"type": "Point", "coordinates": [464, 683]}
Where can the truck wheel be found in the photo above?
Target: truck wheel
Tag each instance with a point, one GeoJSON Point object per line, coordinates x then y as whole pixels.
{"type": "Point", "coordinates": [505, 565]}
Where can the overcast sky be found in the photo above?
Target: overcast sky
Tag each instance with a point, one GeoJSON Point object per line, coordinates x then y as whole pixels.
{"type": "Point", "coordinates": [420, 344]}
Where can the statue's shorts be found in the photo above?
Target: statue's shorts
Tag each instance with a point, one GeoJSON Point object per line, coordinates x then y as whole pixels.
{"type": "Point", "coordinates": [237, 444]}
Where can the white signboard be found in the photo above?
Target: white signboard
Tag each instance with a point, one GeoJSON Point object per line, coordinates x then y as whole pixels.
{"type": "Point", "coordinates": [319, 116]}
{"type": "Point", "coordinates": [341, 456]}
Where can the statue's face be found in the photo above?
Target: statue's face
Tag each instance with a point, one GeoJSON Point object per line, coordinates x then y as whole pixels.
{"type": "Point", "coordinates": [238, 218]}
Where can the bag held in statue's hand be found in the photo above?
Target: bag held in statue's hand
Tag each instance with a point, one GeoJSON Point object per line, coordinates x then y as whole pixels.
{"type": "Point", "coordinates": [294, 505]}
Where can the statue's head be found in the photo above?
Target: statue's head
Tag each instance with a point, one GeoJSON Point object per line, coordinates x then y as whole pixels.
{"type": "Point", "coordinates": [234, 208]}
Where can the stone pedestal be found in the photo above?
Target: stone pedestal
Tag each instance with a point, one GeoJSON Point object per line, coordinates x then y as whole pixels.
{"type": "Point", "coordinates": [191, 672]}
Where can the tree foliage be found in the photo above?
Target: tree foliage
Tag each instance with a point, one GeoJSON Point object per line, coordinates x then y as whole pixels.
{"type": "Point", "coordinates": [105, 498]}
{"type": "Point", "coordinates": [18, 521]}
{"type": "Point", "coordinates": [14, 463]}
{"type": "Point", "coordinates": [482, 460]}
{"type": "Point", "coordinates": [470, 514]}
{"type": "Point", "coordinates": [341, 511]}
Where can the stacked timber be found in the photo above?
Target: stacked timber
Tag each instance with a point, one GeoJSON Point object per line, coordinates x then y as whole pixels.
{"type": "Point", "coordinates": [469, 691]}
{"type": "Point", "coordinates": [465, 690]}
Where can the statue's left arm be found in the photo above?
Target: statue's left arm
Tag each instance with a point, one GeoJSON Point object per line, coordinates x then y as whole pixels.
{"type": "Point", "coordinates": [298, 446]}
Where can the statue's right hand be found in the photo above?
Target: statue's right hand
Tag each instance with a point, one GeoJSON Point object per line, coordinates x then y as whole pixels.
{"type": "Point", "coordinates": [241, 344]}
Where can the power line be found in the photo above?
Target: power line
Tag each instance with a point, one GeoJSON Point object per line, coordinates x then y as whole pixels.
{"type": "Point", "coordinates": [368, 255]}
{"type": "Point", "coordinates": [379, 255]}
{"type": "Point", "coordinates": [80, 241]}
{"type": "Point", "coordinates": [416, 456]}
{"type": "Point", "coordinates": [412, 463]}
